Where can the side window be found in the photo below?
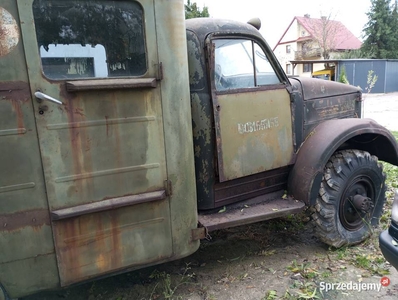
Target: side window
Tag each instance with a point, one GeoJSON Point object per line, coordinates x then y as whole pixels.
{"type": "Point", "coordinates": [306, 68]}
{"type": "Point", "coordinates": [288, 69]}
{"type": "Point", "coordinates": [85, 39]}
{"type": "Point", "coordinates": [241, 63]}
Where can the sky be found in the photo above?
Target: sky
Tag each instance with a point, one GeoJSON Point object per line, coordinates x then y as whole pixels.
{"type": "Point", "coordinates": [277, 15]}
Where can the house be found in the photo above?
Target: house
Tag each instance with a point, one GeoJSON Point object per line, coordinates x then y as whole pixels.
{"type": "Point", "coordinates": [307, 40]}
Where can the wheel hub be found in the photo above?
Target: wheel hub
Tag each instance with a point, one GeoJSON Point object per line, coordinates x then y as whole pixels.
{"type": "Point", "coordinates": [362, 204]}
{"type": "Point", "coordinates": [357, 204]}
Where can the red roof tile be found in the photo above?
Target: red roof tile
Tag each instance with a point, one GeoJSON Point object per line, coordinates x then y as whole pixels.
{"type": "Point", "coordinates": [338, 37]}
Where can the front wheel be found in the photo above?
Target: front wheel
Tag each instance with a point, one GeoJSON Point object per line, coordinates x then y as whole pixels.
{"type": "Point", "coordinates": [351, 198]}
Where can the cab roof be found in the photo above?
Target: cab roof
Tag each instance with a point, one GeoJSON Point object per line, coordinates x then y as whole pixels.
{"type": "Point", "coordinates": [202, 27]}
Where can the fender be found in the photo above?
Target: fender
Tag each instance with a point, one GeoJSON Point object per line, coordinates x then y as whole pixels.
{"type": "Point", "coordinates": [328, 137]}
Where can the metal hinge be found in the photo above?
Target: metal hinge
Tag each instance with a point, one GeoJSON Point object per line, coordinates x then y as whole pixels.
{"type": "Point", "coordinates": [200, 233]}
{"type": "Point", "coordinates": [160, 71]}
{"type": "Point", "coordinates": [168, 187]}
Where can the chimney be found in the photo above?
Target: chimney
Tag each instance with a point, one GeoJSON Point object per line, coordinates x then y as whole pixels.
{"type": "Point", "coordinates": [307, 15]}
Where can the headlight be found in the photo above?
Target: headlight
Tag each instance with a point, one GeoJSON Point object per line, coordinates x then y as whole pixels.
{"type": "Point", "coordinates": [394, 213]}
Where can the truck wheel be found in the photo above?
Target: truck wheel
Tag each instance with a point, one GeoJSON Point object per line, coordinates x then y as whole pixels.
{"type": "Point", "coordinates": [351, 198]}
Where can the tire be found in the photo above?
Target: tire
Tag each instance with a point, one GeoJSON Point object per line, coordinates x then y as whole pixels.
{"type": "Point", "coordinates": [351, 198]}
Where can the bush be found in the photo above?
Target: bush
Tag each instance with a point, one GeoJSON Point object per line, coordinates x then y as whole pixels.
{"type": "Point", "coordinates": [343, 76]}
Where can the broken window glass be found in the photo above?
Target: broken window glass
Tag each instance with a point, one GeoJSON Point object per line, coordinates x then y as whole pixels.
{"type": "Point", "coordinates": [84, 39]}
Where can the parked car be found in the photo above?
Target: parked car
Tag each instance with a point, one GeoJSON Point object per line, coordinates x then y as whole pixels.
{"type": "Point", "coordinates": [389, 238]}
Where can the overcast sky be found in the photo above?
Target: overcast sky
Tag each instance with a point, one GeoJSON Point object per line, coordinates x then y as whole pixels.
{"type": "Point", "coordinates": [276, 15]}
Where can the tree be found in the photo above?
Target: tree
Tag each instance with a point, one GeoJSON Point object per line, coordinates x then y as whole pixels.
{"type": "Point", "coordinates": [325, 31]}
{"type": "Point", "coordinates": [351, 54]}
{"type": "Point", "coordinates": [192, 11]}
{"type": "Point", "coordinates": [380, 32]}
{"type": "Point", "coordinates": [326, 34]}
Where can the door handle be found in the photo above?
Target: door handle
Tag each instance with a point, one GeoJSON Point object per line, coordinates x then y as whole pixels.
{"type": "Point", "coordinates": [42, 96]}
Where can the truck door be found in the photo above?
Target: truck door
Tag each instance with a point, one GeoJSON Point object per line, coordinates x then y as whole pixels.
{"type": "Point", "coordinates": [93, 78]}
{"type": "Point", "coordinates": [251, 108]}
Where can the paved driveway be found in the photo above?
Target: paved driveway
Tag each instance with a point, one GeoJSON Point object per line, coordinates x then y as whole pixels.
{"type": "Point", "coordinates": [383, 108]}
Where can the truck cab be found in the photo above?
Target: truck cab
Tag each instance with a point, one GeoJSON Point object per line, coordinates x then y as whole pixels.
{"type": "Point", "coordinates": [233, 134]}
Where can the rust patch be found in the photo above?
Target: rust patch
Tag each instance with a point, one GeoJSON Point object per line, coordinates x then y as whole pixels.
{"type": "Point", "coordinates": [14, 90]}
{"type": "Point", "coordinates": [17, 93]}
{"type": "Point", "coordinates": [9, 32]}
{"type": "Point", "coordinates": [20, 220]}
{"type": "Point", "coordinates": [80, 141]}
{"type": "Point", "coordinates": [116, 258]}
{"type": "Point", "coordinates": [18, 111]}
{"type": "Point", "coordinates": [88, 245]}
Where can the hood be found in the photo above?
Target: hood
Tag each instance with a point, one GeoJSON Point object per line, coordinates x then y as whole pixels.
{"type": "Point", "coordinates": [313, 88]}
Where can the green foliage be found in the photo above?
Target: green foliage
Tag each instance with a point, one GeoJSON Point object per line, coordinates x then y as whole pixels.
{"type": "Point", "coordinates": [343, 76]}
{"type": "Point", "coordinates": [270, 295]}
{"type": "Point", "coordinates": [304, 269]}
{"type": "Point", "coordinates": [371, 81]}
{"type": "Point", "coordinates": [192, 11]}
{"type": "Point", "coordinates": [168, 285]}
{"type": "Point", "coordinates": [351, 54]}
{"type": "Point", "coordinates": [381, 40]}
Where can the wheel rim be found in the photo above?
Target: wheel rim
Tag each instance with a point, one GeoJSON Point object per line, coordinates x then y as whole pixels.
{"type": "Point", "coordinates": [355, 210]}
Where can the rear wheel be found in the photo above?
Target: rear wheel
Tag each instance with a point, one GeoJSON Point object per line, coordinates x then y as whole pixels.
{"type": "Point", "coordinates": [351, 198]}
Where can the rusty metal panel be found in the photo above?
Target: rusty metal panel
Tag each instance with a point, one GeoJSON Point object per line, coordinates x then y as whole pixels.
{"type": "Point", "coordinates": [337, 107]}
{"type": "Point", "coordinates": [96, 244]}
{"type": "Point", "coordinates": [254, 132]}
{"type": "Point", "coordinates": [26, 239]}
{"type": "Point", "coordinates": [27, 276]}
{"type": "Point", "coordinates": [239, 189]}
{"type": "Point", "coordinates": [103, 145]}
{"type": "Point", "coordinates": [176, 108]}
{"type": "Point", "coordinates": [260, 211]}
{"type": "Point", "coordinates": [115, 146]}
{"type": "Point", "coordinates": [96, 146]}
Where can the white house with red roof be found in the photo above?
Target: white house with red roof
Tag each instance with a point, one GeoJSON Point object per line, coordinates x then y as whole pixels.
{"type": "Point", "coordinates": [309, 39]}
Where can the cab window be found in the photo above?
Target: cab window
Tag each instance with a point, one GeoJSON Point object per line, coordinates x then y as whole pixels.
{"type": "Point", "coordinates": [85, 39]}
{"type": "Point", "coordinates": [240, 64]}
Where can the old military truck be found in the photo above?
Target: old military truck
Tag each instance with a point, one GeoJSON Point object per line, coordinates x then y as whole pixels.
{"type": "Point", "coordinates": [124, 131]}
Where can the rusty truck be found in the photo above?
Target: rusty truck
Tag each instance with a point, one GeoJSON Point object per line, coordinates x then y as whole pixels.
{"type": "Point", "coordinates": [125, 130]}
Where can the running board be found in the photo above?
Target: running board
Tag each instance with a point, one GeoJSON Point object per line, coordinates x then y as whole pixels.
{"type": "Point", "coordinates": [250, 214]}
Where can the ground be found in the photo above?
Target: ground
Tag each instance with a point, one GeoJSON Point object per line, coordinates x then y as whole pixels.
{"type": "Point", "coordinates": [278, 259]}
{"type": "Point", "coordinates": [383, 108]}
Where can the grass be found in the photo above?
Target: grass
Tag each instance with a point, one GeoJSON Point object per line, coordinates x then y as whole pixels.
{"type": "Point", "coordinates": [168, 287]}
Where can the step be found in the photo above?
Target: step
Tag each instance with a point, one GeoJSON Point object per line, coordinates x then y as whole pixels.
{"type": "Point", "coordinates": [250, 213]}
